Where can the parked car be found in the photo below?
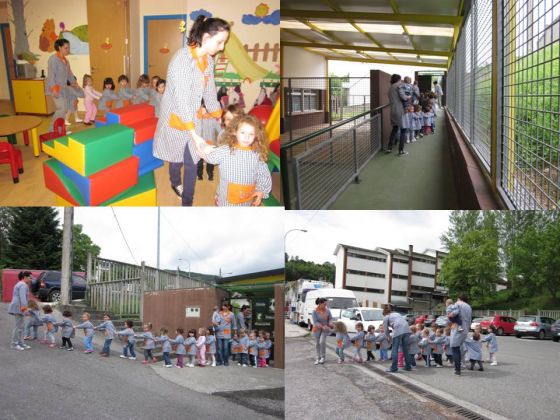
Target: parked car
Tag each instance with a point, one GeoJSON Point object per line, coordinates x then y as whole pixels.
{"type": "Point", "coordinates": [555, 330]}
{"type": "Point", "coordinates": [442, 321]}
{"type": "Point", "coordinates": [410, 318]}
{"type": "Point", "coordinates": [47, 286]}
{"type": "Point", "coordinates": [475, 322]}
{"type": "Point", "coordinates": [533, 325]}
{"type": "Point", "coordinates": [367, 316]}
{"type": "Point", "coordinates": [503, 324]}
{"type": "Point", "coordinates": [420, 319]}
{"type": "Point", "coordinates": [429, 320]}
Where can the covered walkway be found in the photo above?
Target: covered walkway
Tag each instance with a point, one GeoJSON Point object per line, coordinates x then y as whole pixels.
{"type": "Point", "coordinates": [498, 139]}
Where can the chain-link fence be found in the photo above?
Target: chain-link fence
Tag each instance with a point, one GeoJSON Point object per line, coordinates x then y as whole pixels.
{"type": "Point", "coordinates": [312, 103]}
{"type": "Point", "coordinates": [527, 151]}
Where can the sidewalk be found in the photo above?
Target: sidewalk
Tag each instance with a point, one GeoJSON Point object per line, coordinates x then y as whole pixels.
{"type": "Point", "coordinates": [293, 330]}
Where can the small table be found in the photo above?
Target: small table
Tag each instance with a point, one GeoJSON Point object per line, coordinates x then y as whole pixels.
{"type": "Point", "coordinates": [22, 123]}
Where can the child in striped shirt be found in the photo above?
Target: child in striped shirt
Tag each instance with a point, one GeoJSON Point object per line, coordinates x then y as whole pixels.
{"type": "Point", "coordinates": [149, 344]}
{"type": "Point", "coordinates": [129, 341]}
{"type": "Point", "coordinates": [358, 341]}
{"type": "Point", "coordinates": [89, 332]}
{"type": "Point", "coordinates": [425, 348]}
{"type": "Point", "coordinates": [383, 344]}
{"type": "Point", "coordinates": [437, 343]}
{"type": "Point", "coordinates": [492, 344]}
{"type": "Point", "coordinates": [253, 350]}
{"type": "Point", "coordinates": [342, 340]}
{"type": "Point", "coordinates": [474, 351]}
{"type": "Point", "coordinates": [190, 344]}
{"type": "Point", "coordinates": [109, 330]}
{"type": "Point", "coordinates": [413, 348]}
{"type": "Point", "coordinates": [32, 326]}
{"type": "Point", "coordinates": [262, 350]}
{"type": "Point", "coordinates": [67, 331]}
{"type": "Point", "coordinates": [244, 176]}
{"type": "Point", "coordinates": [179, 341]}
{"type": "Point", "coordinates": [165, 346]}
{"type": "Point", "coordinates": [49, 320]}
{"type": "Point", "coordinates": [243, 343]}
{"type": "Point", "coordinates": [370, 342]}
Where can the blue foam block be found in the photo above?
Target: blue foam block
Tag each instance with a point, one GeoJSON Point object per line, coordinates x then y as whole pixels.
{"type": "Point", "coordinates": [99, 124]}
{"type": "Point", "coordinates": [147, 160]}
{"type": "Point", "coordinates": [150, 166]}
{"type": "Point", "coordinates": [81, 182]}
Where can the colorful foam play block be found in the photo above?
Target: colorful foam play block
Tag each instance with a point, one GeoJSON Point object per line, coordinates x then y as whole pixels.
{"type": "Point", "coordinates": [60, 184]}
{"type": "Point", "coordinates": [107, 183]}
{"type": "Point", "coordinates": [143, 130]}
{"type": "Point", "coordinates": [147, 160]}
{"type": "Point", "coordinates": [90, 151]}
{"type": "Point", "coordinates": [130, 114]}
{"type": "Point", "coordinates": [61, 202]}
{"type": "Point", "coordinates": [142, 194]}
{"type": "Point", "coordinates": [48, 147]}
{"type": "Point", "coordinates": [100, 122]}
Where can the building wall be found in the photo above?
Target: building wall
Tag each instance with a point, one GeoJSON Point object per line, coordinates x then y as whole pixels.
{"type": "Point", "coordinates": [339, 268]}
{"type": "Point", "coordinates": [297, 62]}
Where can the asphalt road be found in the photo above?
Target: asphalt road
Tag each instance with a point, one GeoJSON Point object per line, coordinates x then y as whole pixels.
{"type": "Point", "coordinates": [344, 391]}
{"type": "Point", "coordinates": [55, 384]}
{"type": "Point", "coordinates": [524, 385]}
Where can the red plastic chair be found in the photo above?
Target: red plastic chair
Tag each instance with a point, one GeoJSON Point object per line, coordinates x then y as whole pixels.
{"type": "Point", "coordinates": [12, 156]}
{"type": "Point", "coordinates": [59, 130]}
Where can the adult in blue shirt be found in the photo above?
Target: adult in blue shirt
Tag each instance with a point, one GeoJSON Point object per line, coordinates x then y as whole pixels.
{"type": "Point", "coordinates": [399, 337]}
{"type": "Point", "coordinates": [17, 308]}
{"type": "Point", "coordinates": [457, 337]}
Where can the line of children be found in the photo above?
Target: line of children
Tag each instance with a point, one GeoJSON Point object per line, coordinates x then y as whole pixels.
{"type": "Point", "coordinates": [34, 322]}
{"type": "Point", "coordinates": [89, 332]}
{"type": "Point", "coordinates": [149, 343]}
{"type": "Point", "coordinates": [129, 339]}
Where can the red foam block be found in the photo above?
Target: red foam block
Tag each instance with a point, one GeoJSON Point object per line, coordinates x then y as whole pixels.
{"type": "Point", "coordinates": [143, 130]}
{"type": "Point", "coordinates": [53, 183]}
{"type": "Point", "coordinates": [113, 180]}
{"type": "Point", "coordinates": [134, 113]}
{"type": "Point", "coordinates": [275, 147]}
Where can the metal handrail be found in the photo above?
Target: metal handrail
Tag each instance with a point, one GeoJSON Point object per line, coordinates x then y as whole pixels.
{"type": "Point", "coordinates": [330, 128]}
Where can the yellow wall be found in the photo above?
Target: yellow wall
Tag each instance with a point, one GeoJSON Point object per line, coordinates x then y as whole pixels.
{"type": "Point", "coordinates": [36, 12]}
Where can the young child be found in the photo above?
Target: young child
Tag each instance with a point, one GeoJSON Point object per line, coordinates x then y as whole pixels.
{"type": "Point", "coordinates": [154, 82]}
{"type": "Point", "coordinates": [433, 102]}
{"type": "Point", "coordinates": [149, 344]}
{"type": "Point", "coordinates": [109, 331]}
{"type": "Point", "coordinates": [474, 351]}
{"type": "Point", "coordinates": [231, 112]}
{"type": "Point", "coordinates": [244, 176]}
{"type": "Point", "coordinates": [155, 100]}
{"type": "Point", "coordinates": [165, 347]}
{"type": "Point", "coordinates": [253, 349]}
{"type": "Point", "coordinates": [209, 129]}
{"type": "Point", "coordinates": [190, 344]}
{"type": "Point", "coordinates": [342, 340]}
{"type": "Point", "coordinates": [179, 341]}
{"type": "Point", "coordinates": [447, 345]}
{"type": "Point", "coordinates": [201, 347]}
{"type": "Point", "coordinates": [143, 91]}
{"type": "Point", "coordinates": [234, 351]}
{"type": "Point", "coordinates": [89, 332]}
{"type": "Point", "coordinates": [418, 120]}
{"type": "Point", "coordinates": [108, 98]}
{"type": "Point", "coordinates": [125, 92]}
{"type": "Point", "coordinates": [67, 330]}
{"type": "Point", "coordinates": [129, 338]}
{"type": "Point", "coordinates": [268, 343]}
{"type": "Point", "coordinates": [74, 92]}
{"type": "Point", "coordinates": [427, 114]}
{"type": "Point", "coordinates": [244, 348]}
{"type": "Point", "coordinates": [358, 341]}
{"type": "Point", "coordinates": [407, 90]}
{"type": "Point", "coordinates": [91, 95]}
{"type": "Point", "coordinates": [425, 348]}
{"type": "Point", "coordinates": [384, 344]}
{"type": "Point", "coordinates": [211, 346]}
{"type": "Point", "coordinates": [50, 322]}
{"type": "Point", "coordinates": [370, 342]}
{"type": "Point", "coordinates": [492, 345]}
{"type": "Point", "coordinates": [262, 350]}
{"type": "Point", "coordinates": [34, 322]}
{"type": "Point", "coordinates": [413, 348]}
{"type": "Point", "coordinates": [408, 123]}
{"type": "Point", "coordinates": [453, 319]}
{"type": "Point", "coordinates": [437, 347]}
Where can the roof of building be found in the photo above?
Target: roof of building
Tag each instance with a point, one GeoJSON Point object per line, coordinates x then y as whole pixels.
{"type": "Point", "coordinates": [426, 254]}
{"type": "Point", "coordinates": [261, 275]}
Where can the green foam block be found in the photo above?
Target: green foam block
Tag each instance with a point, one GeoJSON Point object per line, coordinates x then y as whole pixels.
{"type": "Point", "coordinates": [145, 183]}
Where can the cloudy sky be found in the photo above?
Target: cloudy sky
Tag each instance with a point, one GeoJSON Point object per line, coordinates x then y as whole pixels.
{"type": "Point", "coordinates": [238, 241]}
{"type": "Point", "coordinates": [365, 229]}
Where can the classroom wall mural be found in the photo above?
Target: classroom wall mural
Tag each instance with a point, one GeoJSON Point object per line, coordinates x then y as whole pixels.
{"type": "Point", "coordinates": [77, 36]}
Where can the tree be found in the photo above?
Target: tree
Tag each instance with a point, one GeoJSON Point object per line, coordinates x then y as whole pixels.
{"type": "Point", "coordinates": [472, 264]}
{"type": "Point", "coordinates": [81, 246]}
{"type": "Point", "coordinates": [296, 269]}
{"type": "Point", "coordinates": [34, 238]}
{"type": "Point", "coordinates": [5, 218]}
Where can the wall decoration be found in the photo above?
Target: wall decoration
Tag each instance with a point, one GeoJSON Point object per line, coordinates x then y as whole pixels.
{"type": "Point", "coordinates": [48, 36]}
{"type": "Point", "coordinates": [199, 12]}
{"type": "Point", "coordinates": [164, 49]}
{"type": "Point", "coordinates": [107, 44]}
{"type": "Point", "coordinates": [261, 16]}
{"type": "Point", "coordinates": [21, 45]}
{"type": "Point", "coordinates": [78, 37]}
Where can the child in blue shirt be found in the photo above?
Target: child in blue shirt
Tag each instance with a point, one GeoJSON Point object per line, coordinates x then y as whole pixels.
{"type": "Point", "coordinates": [383, 341]}
{"type": "Point", "coordinates": [165, 347]}
{"type": "Point", "coordinates": [143, 92]}
{"type": "Point", "coordinates": [109, 98]}
{"type": "Point", "coordinates": [262, 350]}
{"type": "Point", "coordinates": [179, 341]}
{"type": "Point", "coordinates": [125, 92]}
{"type": "Point", "coordinates": [89, 332]}
{"type": "Point", "coordinates": [369, 340]}
{"type": "Point", "coordinates": [425, 348]}
{"type": "Point", "coordinates": [453, 319]}
{"type": "Point", "coordinates": [190, 344]}
{"type": "Point", "coordinates": [447, 345]}
{"type": "Point", "coordinates": [32, 326]}
{"type": "Point", "coordinates": [437, 343]}
{"type": "Point", "coordinates": [50, 323]}
{"type": "Point", "coordinates": [243, 343]}
{"type": "Point", "coordinates": [413, 348]}
{"type": "Point", "coordinates": [109, 331]}
{"type": "Point", "coordinates": [492, 344]}
{"type": "Point", "coordinates": [149, 344]}
{"type": "Point", "coordinates": [211, 346]}
{"type": "Point", "coordinates": [129, 341]}
{"type": "Point", "coordinates": [67, 330]}
{"type": "Point", "coordinates": [358, 341]}
{"type": "Point", "coordinates": [474, 351]}
{"type": "Point", "coordinates": [268, 343]}
{"type": "Point", "coordinates": [253, 350]}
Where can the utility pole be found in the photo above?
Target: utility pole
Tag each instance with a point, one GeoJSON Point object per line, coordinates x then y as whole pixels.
{"type": "Point", "coordinates": [66, 264]}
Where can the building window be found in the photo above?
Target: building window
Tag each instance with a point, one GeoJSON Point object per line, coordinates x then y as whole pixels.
{"type": "Point", "coordinates": [365, 273]}
{"type": "Point", "coordinates": [365, 289]}
{"type": "Point", "coordinates": [366, 257]}
{"type": "Point", "coordinates": [397, 293]}
{"type": "Point", "coordinates": [417, 273]}
{"type": "Point", "coordinates": [304, 100]}
{"type": "Point", "coordinates": [400, 276]}
{"type": "Point", "coordinates": [400, 261]}
{"type": "Point", "coordinates": [424, 260]}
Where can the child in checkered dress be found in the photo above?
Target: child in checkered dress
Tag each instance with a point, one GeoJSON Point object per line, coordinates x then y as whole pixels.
{"type": "Point", "coordinates": [244, 176]}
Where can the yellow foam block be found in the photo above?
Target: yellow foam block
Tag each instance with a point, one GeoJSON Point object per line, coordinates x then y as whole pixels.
{"type": "Point", "coordinates": [72, 155]}
{"type": "Point", "coordinates": [147, 198]}
{"type": "Point", "coordinates": [48, 149]}
{"type": "Point", "coordinates": [273, 125]}
{"type": "Point", "coordinates": [61, 202]}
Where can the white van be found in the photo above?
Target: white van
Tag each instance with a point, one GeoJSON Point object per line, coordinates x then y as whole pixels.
{"type": "Point", "coordinates": [367, 316]}
{"type": "Point", "coordinates": [337, 300]}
